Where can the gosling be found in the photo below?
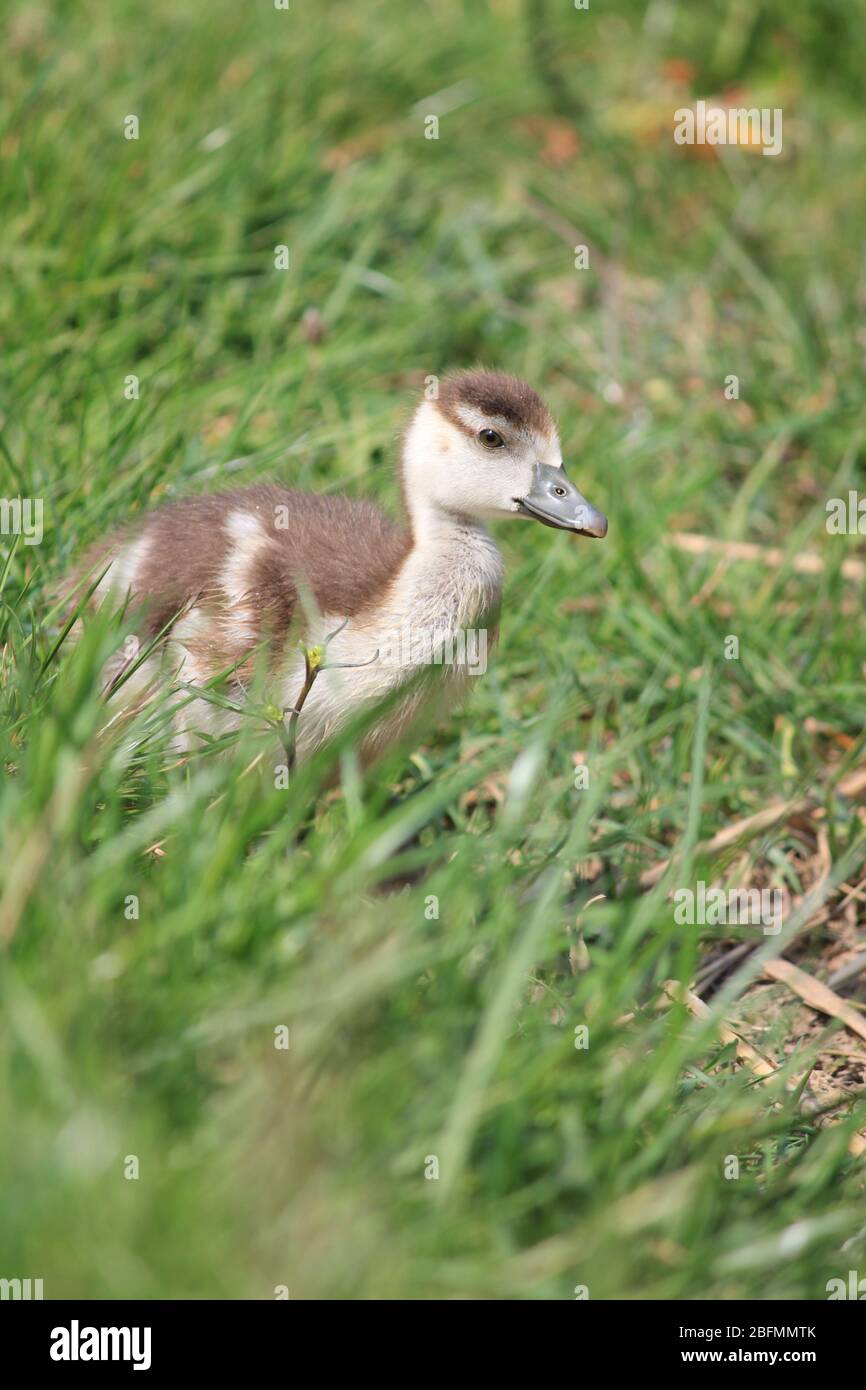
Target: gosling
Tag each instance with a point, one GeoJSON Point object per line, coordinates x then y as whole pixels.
{"type": "Point", "coordinates": [226, 584]}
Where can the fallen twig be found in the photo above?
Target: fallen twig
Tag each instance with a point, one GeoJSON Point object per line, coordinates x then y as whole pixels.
{"type": "Point", "coordinates": [846, 973]}
{"type": "Point", "coordinates": [760, 1066]}
{"type": "Point", "coordinates": [851, 786]}
{"type": "Point", "coordinates": [676, 992]}
{"type": "Point", "coordinates": [817, 995]}
{"type": "Point", "coordinates": [805, 562]}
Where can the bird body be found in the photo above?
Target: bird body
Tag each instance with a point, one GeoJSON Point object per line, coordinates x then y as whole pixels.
{"type": "Point", "coordinates": [226, 584]}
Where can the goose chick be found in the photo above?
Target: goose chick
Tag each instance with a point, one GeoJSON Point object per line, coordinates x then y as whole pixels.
{"type": "Point", "coordinates": [219, 579]}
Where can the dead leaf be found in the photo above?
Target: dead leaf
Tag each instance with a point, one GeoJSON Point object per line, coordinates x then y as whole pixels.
{"type": "Point", "coordinates": [560, 142]}
{"type": "Point", "coordinates": [815, 994]}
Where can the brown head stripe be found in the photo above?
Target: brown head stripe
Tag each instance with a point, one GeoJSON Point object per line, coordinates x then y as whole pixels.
{"type": "Point", "coordinates": [494, 393]}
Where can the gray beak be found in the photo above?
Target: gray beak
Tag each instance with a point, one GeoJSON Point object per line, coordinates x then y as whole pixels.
{"type": "Point", "coordinates": [555, 501]}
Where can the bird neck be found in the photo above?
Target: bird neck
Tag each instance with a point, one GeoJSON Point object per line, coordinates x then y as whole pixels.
{"type": "Point", "coordinates": [453, 570]}
{"type": "Point", "coordinates": [453, 563]}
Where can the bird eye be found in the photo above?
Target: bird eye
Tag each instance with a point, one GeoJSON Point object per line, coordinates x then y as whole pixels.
{"type": "Point", "coordinates": [491, 439]}
{"type": "Point", "coordinates": [559, 492]}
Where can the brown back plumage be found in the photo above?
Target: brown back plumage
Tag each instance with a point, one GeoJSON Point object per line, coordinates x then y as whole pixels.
{"type": "Point", "coordinates": [344, 551]}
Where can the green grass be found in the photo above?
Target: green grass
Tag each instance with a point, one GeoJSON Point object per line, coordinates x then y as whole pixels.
{"type": "Point", "coordinates": [411, 1034]}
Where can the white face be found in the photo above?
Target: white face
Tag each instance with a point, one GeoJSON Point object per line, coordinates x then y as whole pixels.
{"type": "Point", "coordinates": [475, 472]}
